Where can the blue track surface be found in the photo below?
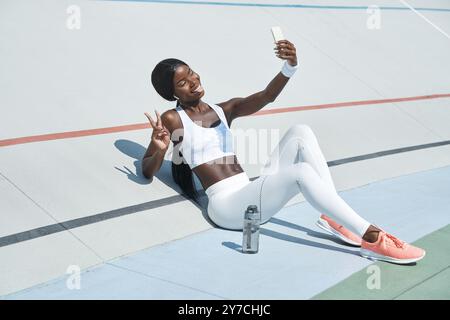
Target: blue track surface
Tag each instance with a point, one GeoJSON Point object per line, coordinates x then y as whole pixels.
{"type": "Point", "coordinates": [296, 259]}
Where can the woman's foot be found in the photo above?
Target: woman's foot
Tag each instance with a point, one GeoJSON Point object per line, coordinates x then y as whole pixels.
{"type": "Point", "coordinates": [338, 230]}
{"type": "Point", "coordinates": [388, 248]}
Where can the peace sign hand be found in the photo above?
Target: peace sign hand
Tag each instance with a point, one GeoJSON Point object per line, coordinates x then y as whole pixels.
{"type": "Point", "coordinates": [160, 134]}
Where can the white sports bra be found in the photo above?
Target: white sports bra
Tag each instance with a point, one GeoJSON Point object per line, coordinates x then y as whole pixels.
{"type": "Point", "coordinates": [199, 144]}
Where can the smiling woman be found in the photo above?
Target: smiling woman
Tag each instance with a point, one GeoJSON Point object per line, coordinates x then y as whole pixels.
{"type": "Point", "coordinates": [167, 73]}
{"type": "Point", "coordinates": [184, 72]}
{"type": "Point", "coordinates": [296, 165]}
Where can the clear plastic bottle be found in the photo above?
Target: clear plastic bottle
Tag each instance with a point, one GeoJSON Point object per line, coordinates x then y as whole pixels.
{"type": "Point", "coordinates": [252, 220]}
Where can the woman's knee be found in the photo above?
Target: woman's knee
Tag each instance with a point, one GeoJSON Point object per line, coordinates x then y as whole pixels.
{"type": "Point", "coordinates": [302, 135]}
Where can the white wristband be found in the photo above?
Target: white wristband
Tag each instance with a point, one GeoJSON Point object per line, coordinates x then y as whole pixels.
{"type": "Point", "coordinates": [287, 70]}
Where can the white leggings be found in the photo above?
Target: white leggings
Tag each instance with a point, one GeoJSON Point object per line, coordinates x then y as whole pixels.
{"type": "Point", "coordinates": [296, 165]}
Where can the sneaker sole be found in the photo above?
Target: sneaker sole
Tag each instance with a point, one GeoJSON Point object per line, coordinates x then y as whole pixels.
{"type": "Point", "coordinates": [323, 224]}
{"type": "Point", "coordinates": [375, 256]}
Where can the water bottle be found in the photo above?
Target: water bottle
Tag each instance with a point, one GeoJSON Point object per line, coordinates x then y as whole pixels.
{"type": "Point", "coordinates": [252, 220]}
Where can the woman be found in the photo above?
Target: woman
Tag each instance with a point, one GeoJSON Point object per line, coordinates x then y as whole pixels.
{"type": "Point", "coordinates": [198, 131]}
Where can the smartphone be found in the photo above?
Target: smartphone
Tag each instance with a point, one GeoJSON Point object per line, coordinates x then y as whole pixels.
{"type": "Point", "coordinates": [277, 34]}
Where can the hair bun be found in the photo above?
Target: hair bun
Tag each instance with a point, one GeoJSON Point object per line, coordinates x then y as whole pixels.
{"type": "Point", "coordinates": [162, 77]}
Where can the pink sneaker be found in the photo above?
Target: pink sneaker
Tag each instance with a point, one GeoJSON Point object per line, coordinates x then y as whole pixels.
{"type": "Point", "coordinates": [338, 230]}
{"type": "Point", "coordinates": [389, 248]}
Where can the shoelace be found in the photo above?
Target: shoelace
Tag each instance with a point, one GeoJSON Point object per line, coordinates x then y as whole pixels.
{"type": "Point", "coordinates": [398, 243]}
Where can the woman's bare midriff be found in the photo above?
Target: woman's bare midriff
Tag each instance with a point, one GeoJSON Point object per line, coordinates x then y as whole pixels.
{"type": "Point", "coordinates": [215, 170]}
{"type": "Point", "coordinates": [218, 169]}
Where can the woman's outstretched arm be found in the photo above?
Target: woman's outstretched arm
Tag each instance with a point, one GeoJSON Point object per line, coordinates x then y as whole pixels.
{"type": "Point", "coordinates": [239, 107]}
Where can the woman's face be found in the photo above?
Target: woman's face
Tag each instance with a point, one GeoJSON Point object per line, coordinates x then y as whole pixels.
{"type": "Point", "coordinates": [187, 86]}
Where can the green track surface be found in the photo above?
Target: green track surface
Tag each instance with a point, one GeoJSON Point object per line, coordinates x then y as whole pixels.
{"type": "Point", "coordinates": [427, 279]}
